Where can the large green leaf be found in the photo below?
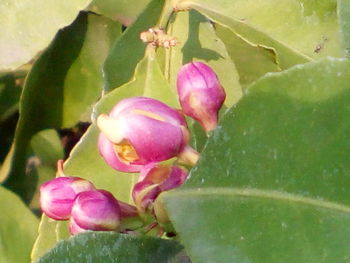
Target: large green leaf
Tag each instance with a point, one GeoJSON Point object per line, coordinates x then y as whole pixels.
{"type": "Point", "coordinates": [344, 17]}
{"type": "Point", "coordinates": [85, 161]}
{"type": "Point", "coordinates": [272, 182]}
{"type": "Point", "coordinates": [128, 50]}
{"type": "Point", "coordinates": [28, 26]}
{"type": "Point", "coordinates": [61, 87]}
{"type": "Point", "coordinates": [197, 41]}
{"type": "Point", "coordinates": [120, 10]}
{"type": "Point", "coordinates": [18, 229]}
{"type": "Point", "coordinates": [297, 29]}
{"type": "Point", "coordinates": [109, 247]}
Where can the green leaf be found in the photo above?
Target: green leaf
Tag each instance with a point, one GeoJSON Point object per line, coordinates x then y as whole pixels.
{"type": "Point", "coordinates": [28, 26]}
{"type": "Point", "coordinates": [280, 25]}
{"type": "Point", "coordinates": [128, 50]}
{"type": "Point", "coordinates": [252, 61]}
{"type": "Point", "coordinates": [17, 229]}
{"type": "Point", "coordinates": [271, 185]}
{"type": "Point", "coordinates": [344, 17]}
{"type": "Point", "coordinates": [84, 79]}
{"type": "Point", "coordinates": [197, 41]}
{"type": "Point", "coordinates": [111, 247]}
{"type": "Point", "coordinates": [120, 10]}
{"type": "Point", "coordinates": [60, 94]}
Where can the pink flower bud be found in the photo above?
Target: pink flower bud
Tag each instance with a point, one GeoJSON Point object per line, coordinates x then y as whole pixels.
{"type": "Point", "coordinates": [57, 195]}
{"type": "Point", "coordinates": [154, 179]}
{"type": "Point", "coordinates": [201, 94]}
{"type": "Point", "coordinates": [74, 228]}
{"type": "Point", "coordinates": [126, 210]}
{"type": "Point", "coordinates": [139, 131]}
{"type": "Point", "coordinates": [95, 210]}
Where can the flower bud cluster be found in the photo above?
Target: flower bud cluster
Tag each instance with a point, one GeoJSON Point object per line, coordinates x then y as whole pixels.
{"type": "Point", "coordinates": [139, 135]}
{"type": "Point", "coordinates": [87, 208]}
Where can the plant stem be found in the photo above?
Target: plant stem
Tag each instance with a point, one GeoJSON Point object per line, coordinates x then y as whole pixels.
{"type": "Point", "coordinates": [167, 11]}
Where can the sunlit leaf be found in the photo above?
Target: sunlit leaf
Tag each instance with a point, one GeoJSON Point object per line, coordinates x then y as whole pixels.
{"type": "Point", "coordinates": [28, 26]}
{"type": "Point", "coordinates": [120, 10]}
{"type": "Point", "coordinates": [252, 61]}
{"type": "Point", "coordinates": [18, 229]}
{"type": "Point", "coordinates": [299, 30]}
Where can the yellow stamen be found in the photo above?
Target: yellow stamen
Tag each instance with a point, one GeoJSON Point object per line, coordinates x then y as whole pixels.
{"type": "Point", "coordinates": [126, 152]}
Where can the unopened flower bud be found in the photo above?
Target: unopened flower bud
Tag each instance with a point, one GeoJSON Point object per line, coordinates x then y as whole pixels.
{"type": "Point", "coordinates": [57, 195]}
{"type": "Point", "coordinates": [201, 94]}
{"type": "Point", "coordinates": [154, 179]}
{"type": "Point", "coordinates": [139, 131]}
{"type": "Point", "coordinates": [74, 228]}
{"type": "Point", "coordinates": [95, 210]}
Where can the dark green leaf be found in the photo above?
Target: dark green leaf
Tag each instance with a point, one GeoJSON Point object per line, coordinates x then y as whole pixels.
{"type": "Point", "coordinates": [61, 87]}
{"type": "Point", "coordinates": [110, 247]}
{"type": "Point", "coordinates": [9, 96]}
{"type": "Point", "coordinates": [18, 229]}
{"type": "Point", "coordinates": [9, 100]}
{"type": "Point", "coordinates": [28, 27]}
{"type": "Point", "coordinates": [272, 182]}
{"type": "Point", "coordinates": [128, 50]}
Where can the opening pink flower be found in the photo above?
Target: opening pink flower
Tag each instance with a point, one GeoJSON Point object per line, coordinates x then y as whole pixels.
{"type": "Point", "coordinates": [139, 131]}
